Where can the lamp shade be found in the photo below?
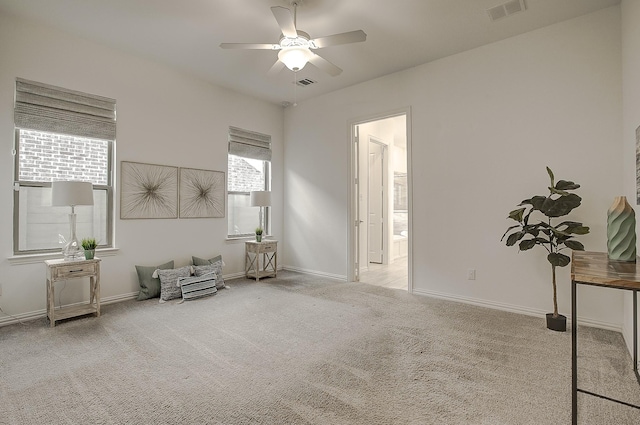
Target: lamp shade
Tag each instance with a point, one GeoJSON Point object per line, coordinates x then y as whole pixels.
{"type": "Point", "coordinates": [260, 198]}
{"type": "Point", "coordinates": [295, 57]}
{"type": "Point", "coordinates": [71, 193]}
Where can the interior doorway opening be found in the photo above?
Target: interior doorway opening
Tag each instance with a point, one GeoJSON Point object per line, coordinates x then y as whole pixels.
{"type": "Point", "coordinates": [380, 213]}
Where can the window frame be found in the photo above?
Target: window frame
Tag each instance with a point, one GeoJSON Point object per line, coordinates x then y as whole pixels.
{"type": "Point", "coordinates": [267, 186]}
{"type": "Point", "coordinates": [18, 184]}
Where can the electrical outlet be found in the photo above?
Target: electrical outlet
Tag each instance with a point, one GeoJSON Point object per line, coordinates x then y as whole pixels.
{"type": "Point", "coordinates": [471, 274]}
{"type": "Point", "coordinates": [0, 289]}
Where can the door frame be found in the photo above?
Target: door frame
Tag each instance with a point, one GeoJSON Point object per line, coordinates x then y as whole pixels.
{"type": "Point", "coordinates": [352, 190]}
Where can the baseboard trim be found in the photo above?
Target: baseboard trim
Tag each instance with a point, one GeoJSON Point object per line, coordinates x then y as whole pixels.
{"type": "Point", "coordinates": [515, 309]}
{"type": "Point", "coordinates": [241, 275]}
{"type": "Point", "coordinates": [38, 314]}
{"type": "Point", "coordinates": [25, 317]}
{"type": "Point", "coordinates": [315, 273]}
{"type": "Point", "coordinates": [119, 298]}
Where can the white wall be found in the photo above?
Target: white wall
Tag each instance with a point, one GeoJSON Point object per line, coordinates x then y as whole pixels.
{"type": "Point", "coordinates": [631, 120]}
{"type": "Point", "coordinates": [164, 117]}
{"type": "Point", "coordinates": [485, 123]}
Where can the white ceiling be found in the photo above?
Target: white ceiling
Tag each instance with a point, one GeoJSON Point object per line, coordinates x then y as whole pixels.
{"type": "Point", "coordinates": [187, 33]}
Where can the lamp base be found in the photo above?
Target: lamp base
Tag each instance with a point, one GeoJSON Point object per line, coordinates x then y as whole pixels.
{"type": "Point", "coordinates": [72, 251]}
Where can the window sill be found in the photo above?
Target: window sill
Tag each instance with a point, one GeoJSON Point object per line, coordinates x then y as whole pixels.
{"type": "Point", "coordinates": [241, 239]}
{"type": "Point", "coordinates": [17, 260]}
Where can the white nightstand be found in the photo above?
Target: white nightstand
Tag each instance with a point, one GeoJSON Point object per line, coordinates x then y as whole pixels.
{"type": "Point", "coordinates": [58, 270]}
{"type": "Point", "coordinates": [265, 253]}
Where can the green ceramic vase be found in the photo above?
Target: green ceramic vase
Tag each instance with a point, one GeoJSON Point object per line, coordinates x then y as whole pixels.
{"type": "Point", "coordinates": [621, 231]}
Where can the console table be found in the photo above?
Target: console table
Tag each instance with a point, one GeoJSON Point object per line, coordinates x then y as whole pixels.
{"type": "Point", "coordinates": [267, 251]}
{"type": "Point", "coordinates": [58, 270]}
{"type": "Point", "coordinates": [595, 268]}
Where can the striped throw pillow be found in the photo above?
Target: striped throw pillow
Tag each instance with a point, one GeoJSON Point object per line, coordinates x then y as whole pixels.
{"type": "Point", "coordinates": [215, 267]}
{"type": "Point", "coordinates": [197, 286]}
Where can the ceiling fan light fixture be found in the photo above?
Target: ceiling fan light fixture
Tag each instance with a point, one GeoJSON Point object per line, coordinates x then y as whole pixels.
{"type": "Point", "coordinates": [295, 46]}
{"type": "Point", "coordinates": [295, 57]}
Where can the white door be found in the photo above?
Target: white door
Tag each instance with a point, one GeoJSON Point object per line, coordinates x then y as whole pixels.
{"type": "Point", "coordinates": [376, 202]}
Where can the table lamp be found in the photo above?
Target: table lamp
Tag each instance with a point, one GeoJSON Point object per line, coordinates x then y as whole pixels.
{"type": "Point", "coordinates": [260, 198]}
{"type": "Point", "coordinates": [71, 193]}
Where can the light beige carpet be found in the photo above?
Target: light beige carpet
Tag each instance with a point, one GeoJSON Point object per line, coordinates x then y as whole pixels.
{"type": "Point", "coordinates": [305, 350]}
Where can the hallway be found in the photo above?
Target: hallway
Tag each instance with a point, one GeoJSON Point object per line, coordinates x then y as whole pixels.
{"type": "Point", "coordinates": [394, 275]}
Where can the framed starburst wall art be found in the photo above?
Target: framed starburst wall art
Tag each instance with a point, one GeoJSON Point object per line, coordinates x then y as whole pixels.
{"type": "Point", "coordinates": [201, 193]}
{"type": "Point", "coordinates": [148, 191]}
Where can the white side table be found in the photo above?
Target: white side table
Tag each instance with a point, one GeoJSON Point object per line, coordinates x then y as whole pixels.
{"type": "Point", "coordinates": [58, 270]}
{"type": "Point", "coordinates": [261, 259]}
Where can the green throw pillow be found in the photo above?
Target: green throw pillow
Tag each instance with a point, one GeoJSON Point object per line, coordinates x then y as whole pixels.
{"type": "Point", "coordinates": [202, 262]}
{"type": "Point", "coordinates": [150, 286]}
{"type": "Point", "coordinates": [203, 266]}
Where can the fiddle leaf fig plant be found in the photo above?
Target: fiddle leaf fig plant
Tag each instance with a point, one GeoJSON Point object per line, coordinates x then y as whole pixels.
{"type": "Point", "coordinates": [540, 229]}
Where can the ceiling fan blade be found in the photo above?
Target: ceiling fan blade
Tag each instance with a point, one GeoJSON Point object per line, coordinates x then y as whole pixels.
{"type": "Point", "coordinates": [324, 65]}
{"type": "Point", "coordinates": [285, 21]}
{"type": "Point", "coordinates": [275, 69]}
{"type": "Point", "coordinates": [343, 38]}
{"type": "Point", "coordinates": [255, 46]}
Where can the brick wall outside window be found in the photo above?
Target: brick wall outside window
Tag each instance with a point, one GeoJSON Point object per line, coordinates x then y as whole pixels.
{"type": "Point", "coordinates": [46, 157]}
{"type": "Point", "coordinates": [243, 177]}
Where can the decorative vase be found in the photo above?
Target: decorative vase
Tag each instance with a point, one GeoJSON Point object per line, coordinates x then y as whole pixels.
{"type": "Point", "coordinates": [89, 254]}
{"type": "Point", "coordinates": [621, 231]}
{"type": "Point", "coordinates": [258, 238]}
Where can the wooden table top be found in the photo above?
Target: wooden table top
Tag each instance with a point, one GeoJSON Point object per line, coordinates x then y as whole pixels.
{"type": "Point", "coordinates": [595, 268]}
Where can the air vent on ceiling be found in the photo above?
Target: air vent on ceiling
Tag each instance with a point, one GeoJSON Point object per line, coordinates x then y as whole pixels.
{"type": "Point", "coordinates": [305, 82]}
{"type": "Point", "coordinates": [506, 9]}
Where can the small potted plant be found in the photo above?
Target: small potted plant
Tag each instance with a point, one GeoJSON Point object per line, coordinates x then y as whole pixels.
{"type": "Point", "coordinates": [543, 232]}
{"type": "Point", "coordinates": [89, 245]}
{"type": "Point", "coordinates": [258, 234]}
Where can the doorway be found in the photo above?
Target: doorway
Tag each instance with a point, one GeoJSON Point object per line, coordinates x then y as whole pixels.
{"type": "Point", "coordinates": [380, 208]}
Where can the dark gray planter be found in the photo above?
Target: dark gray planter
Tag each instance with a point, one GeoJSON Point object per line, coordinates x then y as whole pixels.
{"type": "Point", "coordinates": [558, 324]}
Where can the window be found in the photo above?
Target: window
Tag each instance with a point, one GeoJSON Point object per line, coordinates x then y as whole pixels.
{"type": "Point", "coordinates": [248, 170]}
{"type": "Point", "coordinates": [61, 135]}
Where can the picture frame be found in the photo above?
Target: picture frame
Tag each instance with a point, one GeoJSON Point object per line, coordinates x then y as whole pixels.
{"type": "Point", "coordinates": [201, 193]}
{"type": "Point", "coordinates": [148, 191]}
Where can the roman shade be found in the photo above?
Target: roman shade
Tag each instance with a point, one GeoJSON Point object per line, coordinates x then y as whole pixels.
{"type": "Point", "coordinates": [249, 144]}
{"type": "Point", "coordinates": [54, 109]}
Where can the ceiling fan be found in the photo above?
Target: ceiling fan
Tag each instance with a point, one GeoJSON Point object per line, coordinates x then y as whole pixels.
{"type": "Point", "coordinates": [295, 47]}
